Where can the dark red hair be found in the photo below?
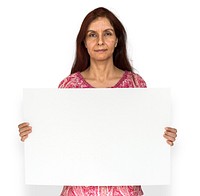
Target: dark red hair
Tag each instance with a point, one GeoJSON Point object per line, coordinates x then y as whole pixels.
{"type": "Point", "coordinates": [82, 58]}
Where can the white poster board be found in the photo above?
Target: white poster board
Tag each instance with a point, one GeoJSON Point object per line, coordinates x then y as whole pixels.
{"type": "Point", "coordinates": [99, 137]}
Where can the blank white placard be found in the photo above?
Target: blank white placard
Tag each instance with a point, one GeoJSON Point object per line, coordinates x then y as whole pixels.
{"type": "Point", "coordinates": [97, 137]}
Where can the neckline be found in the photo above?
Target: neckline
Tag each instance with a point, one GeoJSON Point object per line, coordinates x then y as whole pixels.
{"type": "Point", "coordinates": [88, 84]}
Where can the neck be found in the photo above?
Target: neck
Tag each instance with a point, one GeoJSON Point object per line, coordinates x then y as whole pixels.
{"type": "Point", "coordinates": [102, 75]}
{"type": "Point", "coordinates": [101, 70]}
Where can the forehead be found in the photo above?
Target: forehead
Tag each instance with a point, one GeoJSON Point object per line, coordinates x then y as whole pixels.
{"type": "Point", "coordinates": [100, 23]}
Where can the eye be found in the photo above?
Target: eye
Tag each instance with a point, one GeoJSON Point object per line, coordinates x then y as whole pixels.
{"type": "Point", "coordinates": [108, 33]}
{"type": "Point", "coordinates": [92, 35]}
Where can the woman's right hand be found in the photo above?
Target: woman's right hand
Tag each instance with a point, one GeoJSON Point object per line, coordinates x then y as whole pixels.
{"type": "Point", "coordinates": [24, 130]}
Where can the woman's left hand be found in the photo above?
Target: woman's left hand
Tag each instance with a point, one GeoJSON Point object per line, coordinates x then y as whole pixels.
{"type": "Point", "coordinates": [170, 135]}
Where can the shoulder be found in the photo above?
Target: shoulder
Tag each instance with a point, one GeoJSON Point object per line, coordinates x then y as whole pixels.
{"type": "Point", "coordinates": [70, 81]}
{"type": "Point", "coordinates": [74, 80]}
{"type": "Point", "coordinates": [139, 82]}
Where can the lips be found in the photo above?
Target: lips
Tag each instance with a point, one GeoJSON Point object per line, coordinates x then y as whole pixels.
{"type": "Point", "coordinates": [100, 50]}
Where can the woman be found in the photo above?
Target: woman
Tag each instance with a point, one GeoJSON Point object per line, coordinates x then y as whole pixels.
{"type": "Point", "coordinates": [101, 62]}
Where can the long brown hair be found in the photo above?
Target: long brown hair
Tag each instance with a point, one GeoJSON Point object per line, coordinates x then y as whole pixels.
{"type": "Point", "coordinates": [82, 58]}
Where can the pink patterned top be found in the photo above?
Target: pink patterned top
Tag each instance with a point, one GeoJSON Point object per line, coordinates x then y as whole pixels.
{"type": "Point", "coordinates": [128, 80]}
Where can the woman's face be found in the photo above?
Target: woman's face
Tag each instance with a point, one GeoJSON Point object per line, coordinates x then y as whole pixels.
{"type": "Point", "coordinates": [100, 39]}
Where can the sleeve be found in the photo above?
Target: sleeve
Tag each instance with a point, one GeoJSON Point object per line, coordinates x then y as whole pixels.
{"type": "Point", "coordinates": [64, 83]}
{"type": "Point", "coordinates": [72, 81]}
{"type": "Point", "coordinates": [139, 81]}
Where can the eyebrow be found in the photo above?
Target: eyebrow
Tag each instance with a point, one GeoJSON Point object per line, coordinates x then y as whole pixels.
{"type": "Point", "coordinates": [104, 30]}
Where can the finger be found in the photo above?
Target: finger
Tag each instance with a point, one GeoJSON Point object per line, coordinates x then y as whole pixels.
{"type": "Point", "coordinates": [25, 128]}
{"type": "Point", "coordinates": [24, 134]}
{"type": "Point", "coordinates": [170, 143]}
{"type": "Point", "coordinates": [172, 139]}
{"type": "Point", "coordinates": [23, 125]}
{"type": "Point", "coordinates": [170, 129]}
{"type": "Point", "coordinates": [25, 131]}
{"type": "Point", "coordinates": [24, 138]}
{"type": "Point", "coordinates": [171, 134]}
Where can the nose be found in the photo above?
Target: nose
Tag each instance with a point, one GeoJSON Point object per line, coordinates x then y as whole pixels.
{"type": "Point", "coordinates": [100, 40]}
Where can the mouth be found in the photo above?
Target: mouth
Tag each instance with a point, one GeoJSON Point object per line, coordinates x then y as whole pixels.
{"type": "Point", "coordinates": [100, 50]}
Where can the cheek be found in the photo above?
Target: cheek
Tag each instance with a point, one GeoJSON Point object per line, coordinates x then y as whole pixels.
{"type": "Point", "coordinates": [89, 44]}
{"type": "Point", "coordinates": [111, 43]}
{"type": "Point", "coordinates": [89, 48]}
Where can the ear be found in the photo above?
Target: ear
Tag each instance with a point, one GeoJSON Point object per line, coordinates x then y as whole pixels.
{"type": "Point", "coordinates": [116, 43]}
{"type": "Point", "coordinates": [85, 44]}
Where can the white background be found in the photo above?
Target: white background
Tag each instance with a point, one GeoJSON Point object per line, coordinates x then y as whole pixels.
{"type": "Point", "coordinates": [37, 42]}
